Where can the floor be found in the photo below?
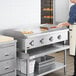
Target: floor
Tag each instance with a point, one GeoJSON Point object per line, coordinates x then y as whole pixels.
{"type": "Point", "coordinates": [59, 56]}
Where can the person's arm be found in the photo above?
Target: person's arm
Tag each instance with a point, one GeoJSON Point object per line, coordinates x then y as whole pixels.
{"type": "Point", "coordinates": [71, 19]}
{"type": "Point", "coordinates": [72, 15]}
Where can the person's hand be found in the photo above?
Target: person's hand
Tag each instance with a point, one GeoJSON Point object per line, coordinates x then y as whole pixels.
{"type": "Point", "coordinates": [60, 25]}
{"type": "Point", "coordinates": [63, 24]}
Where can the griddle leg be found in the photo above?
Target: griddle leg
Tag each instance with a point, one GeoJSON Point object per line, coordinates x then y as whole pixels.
{"type": "Point", "coordinates": [65, 62]}
{"type": "Point", "coordinates": [27, 67]}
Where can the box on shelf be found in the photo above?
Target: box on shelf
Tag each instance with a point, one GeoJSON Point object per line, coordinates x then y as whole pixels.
{"type": "Point", "coordinates": [44, 62]}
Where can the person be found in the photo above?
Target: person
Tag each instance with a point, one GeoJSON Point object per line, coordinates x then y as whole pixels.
{"type": "Point", "coordinates": [70, 22]}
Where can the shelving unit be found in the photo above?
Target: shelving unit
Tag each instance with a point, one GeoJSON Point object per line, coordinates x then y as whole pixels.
{"type": "Point", "coordinates": [38, 45]}
{"type": "Point", "coordinates": [45, 50]}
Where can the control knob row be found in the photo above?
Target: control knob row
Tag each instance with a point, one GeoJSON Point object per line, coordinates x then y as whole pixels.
{"type": "Point", "coordinates": [42, 40]}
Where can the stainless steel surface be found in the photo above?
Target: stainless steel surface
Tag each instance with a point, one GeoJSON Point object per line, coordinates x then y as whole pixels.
{"type": "Point", "coordinates": [58, 66]}
{"type": "Point", "coordinates": [13, 73]}
{"type": "Point", "coordinates": [44, 59]}
{"type": "Point", "coordinates": [45, 39]}
{"type": "Point", "coordinates": [25, 58]}
{"type": "Point", "coordinates": [39, 44]}
{"type": "Point", "coordinates": [38, 52]}
{"type": "Point", "coordinates": [47, 71]}
{"type": "Point", "coordinates": [8, 58]}
{"type": "Point", "coordinates": [35, 53]}
{"type": "Point", "coordinates": [7, 66]}
{"type": "Point", "coordinates": [7, 51]}
{"type": "Point", "coordinates": [38, 39]}
{"type": "Point", "coordinates": [44, 62]}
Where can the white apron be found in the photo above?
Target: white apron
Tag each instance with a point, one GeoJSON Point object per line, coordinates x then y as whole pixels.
{"type": "Point", "coordinates": [72, 39]}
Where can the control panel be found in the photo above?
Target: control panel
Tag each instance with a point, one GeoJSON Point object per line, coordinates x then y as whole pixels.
{"type": "Point", "coordinates": [45, 39]}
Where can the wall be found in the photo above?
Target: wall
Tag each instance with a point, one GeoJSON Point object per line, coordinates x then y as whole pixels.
{"type": "Point", "coordinates": [14, 13]}
{"type": "Point", "coordinates": [62, 10]}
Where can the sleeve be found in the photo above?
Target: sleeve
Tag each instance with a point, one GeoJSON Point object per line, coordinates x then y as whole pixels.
{"type": "Point", "coordinates": [71, 19]}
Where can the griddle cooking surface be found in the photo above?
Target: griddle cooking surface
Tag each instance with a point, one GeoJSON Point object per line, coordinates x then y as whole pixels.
{"type": "Point", "coordinates": [50, 30]}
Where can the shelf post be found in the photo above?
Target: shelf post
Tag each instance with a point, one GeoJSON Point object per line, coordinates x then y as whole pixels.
{"type": "Point", "coordinates": [27, 60]}
{"type": "Point", "coordinates": [65, 59]}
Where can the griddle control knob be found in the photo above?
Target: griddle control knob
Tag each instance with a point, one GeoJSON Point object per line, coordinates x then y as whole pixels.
{"type": "Point", "coordinates": [42, 41]}
{"type": "Point", "coordinates": [32, 43]}
{"type": "Point", "coordinates": [59, 37]}
{"type": "Point", "coordinates": [51, 38]}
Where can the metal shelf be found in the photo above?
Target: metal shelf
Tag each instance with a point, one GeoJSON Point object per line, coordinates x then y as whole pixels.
{"type": "Point", "coordinates": [45, 50]}
{"type": "Point", "coordinates": [49, 70]}
{"type": "Point", "coordinates": [58, 66]}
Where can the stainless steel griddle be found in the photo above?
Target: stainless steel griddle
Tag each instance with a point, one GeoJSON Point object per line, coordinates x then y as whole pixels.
{"type": "Point", "coordinates": [38, 39]}
{"type": "Point", "coordinates": [38, 44]}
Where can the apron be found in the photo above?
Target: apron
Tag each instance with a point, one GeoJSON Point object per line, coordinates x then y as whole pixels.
{"type": "Point", "coordinates": [72, 39]}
